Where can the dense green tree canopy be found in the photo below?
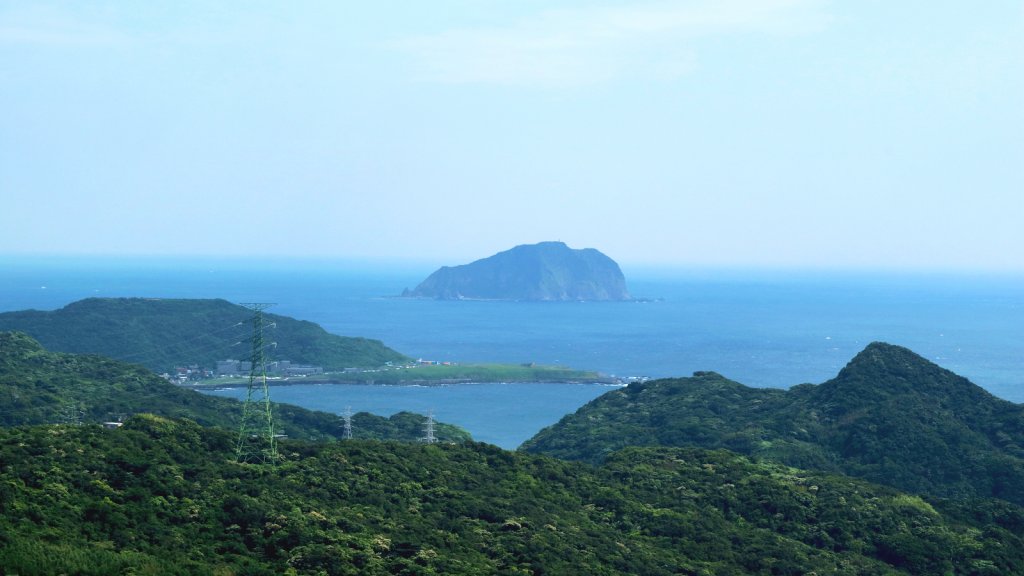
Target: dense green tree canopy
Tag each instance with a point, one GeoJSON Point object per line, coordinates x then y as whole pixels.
{"type": "Point", "coordinates": [163, 495]}
{"type": "Point", "coordinates": [163, 333]}
{"type": "Point", "coordinates": [160, 496]}
{"type": "Point", "coordinates": [40, 387]}
{"type": "Point", "coordinates": [889, 416]}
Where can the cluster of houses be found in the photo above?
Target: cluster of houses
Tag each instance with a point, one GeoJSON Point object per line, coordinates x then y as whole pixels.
{"type": "Point", "coordinates": [282, 368]}
{"type": "Point", "coordinates": [184, 374]}
{"type": "Point", "coordinates": [279, 368]}
{"type": "Point", "coordinates": [423, 362]}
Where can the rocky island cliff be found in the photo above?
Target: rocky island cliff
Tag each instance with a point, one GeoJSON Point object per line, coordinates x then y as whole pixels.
{"type": "Point", "coordinates": [548, 271]}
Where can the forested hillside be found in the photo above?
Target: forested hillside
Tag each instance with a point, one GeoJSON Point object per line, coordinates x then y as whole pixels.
{"type": "Point", "coordinates": [41, 387]}
{"type": "Point", "coordinates": [163, 333]}
{"type": "Point", "coordinates": [164, 497]}
{"type": "Point", "coordinates": [890, 416]}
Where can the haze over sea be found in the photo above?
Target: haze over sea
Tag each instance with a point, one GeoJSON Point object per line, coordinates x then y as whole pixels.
{"type": "Point", "coordinates": [759, 328]}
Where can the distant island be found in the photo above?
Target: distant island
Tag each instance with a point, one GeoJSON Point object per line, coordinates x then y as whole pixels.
{"type": "Point", "coordinates": [548, 271]}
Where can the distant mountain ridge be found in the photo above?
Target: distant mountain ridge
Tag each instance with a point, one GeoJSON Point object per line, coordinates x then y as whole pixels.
{"type": "Point", "coordinates": [549, 271]}
{"type": "Point", "coordinates": [163, 333]}
{"type": "Point", "coordinates": [890, 416]}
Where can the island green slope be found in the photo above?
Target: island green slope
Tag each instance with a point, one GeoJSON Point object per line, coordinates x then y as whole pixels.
{"type": "Point", "coordinates": [549, 271]}
{"type": "Point", "coordinates": [163, 497]}
{"type": "Point", "coordinates": [163, 333]}
{"type": "Point", "coordinates": [39, 387]}
{"type": "Point", "coordinates": [890, 416]}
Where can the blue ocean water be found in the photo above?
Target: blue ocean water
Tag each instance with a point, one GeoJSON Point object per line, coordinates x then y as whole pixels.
{"type": "Point", "coordinates": [502, 414]}
{"type": "Point", "coordinates": [759, 328]}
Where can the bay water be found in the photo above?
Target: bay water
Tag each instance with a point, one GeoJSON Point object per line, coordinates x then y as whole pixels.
{"type": "Point", "coordinates": [760, 328]}
{"type": "Point", "coordinates": [504, 414]}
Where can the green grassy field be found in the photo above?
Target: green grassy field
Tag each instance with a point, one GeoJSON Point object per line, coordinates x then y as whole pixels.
{"type": "Point", "coordinates": [435, 374]}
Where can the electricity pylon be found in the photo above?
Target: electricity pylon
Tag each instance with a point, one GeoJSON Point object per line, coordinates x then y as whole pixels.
{"type": "Point", "coordinates": [428, 429]}
{"type": "Point", "coordinates": [256, 440]}
{"type": "Point", "coordinates": [72, 413]}
{"type": "Point", "coordinates": [347, 417]}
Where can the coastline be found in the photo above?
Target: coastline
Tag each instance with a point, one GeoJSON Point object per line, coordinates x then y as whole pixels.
{"type": "Point", "coordinates": [432, 375]}
{"type": "Point", "coordinates": [242, 383]}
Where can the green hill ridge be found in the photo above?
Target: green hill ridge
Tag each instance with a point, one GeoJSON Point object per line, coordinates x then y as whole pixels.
{"type": "Point", "coordinates": [42, 387]}
{"type": "Point", "coordinates": [163, 333]}
{"type": "Point", "coordinates": [160, 496]}
{"type": "Point", "coordinates": [163, 495]}
{"type": "Point", "coordinates": [890, 416]}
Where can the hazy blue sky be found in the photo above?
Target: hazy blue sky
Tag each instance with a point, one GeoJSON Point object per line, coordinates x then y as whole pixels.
{"type": "Point", "coordinates": [861, 133]}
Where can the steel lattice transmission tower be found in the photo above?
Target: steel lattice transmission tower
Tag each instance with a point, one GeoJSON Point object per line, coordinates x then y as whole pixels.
{"type": "Point", "coordinates": [347, 417]}
{"type": "Point", "coordinates": [428, 429]}
{"type": "Point", "coordinates": [72, 413]}
{"type": "Point", "coordinates": [256, 440]}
